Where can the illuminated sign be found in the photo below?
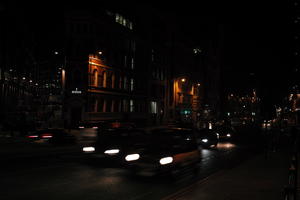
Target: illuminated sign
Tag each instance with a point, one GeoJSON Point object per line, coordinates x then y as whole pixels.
{"type": "Point", "coordinates": [76, 91]}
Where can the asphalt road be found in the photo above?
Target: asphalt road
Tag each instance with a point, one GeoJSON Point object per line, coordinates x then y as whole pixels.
{"type": "Point", "coordinates": [72, 177]}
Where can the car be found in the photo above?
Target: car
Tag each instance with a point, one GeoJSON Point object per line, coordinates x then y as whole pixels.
{"type": "Point", "coordinates": [112, 143]}
{"type": "Point", "coordinates": [165, 151]}
{"type": "Point", "coordinates": [225, 133]}
{"type": "Point", "coordinates": [89, 130]}
{"type": "Point", "coordinates": [52, 136]}
{"type": "Point", "coordinates": [207, 137]}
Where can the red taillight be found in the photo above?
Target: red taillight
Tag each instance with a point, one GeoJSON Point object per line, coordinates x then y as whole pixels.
{"type": "Point", "coordinates": [47, 135]}
{"type": "Point", "coordinates": [32, 136]}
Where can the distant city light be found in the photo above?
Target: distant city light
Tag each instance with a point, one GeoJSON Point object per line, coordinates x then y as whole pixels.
{"type": "Point", "coordinates": [24, 78]}
{"type": "Point", "coordinates": [198, 84]}
{"type": "Point", "coordinates": [100, 52]}
{"type": "Point", "coordinates": [183, 80]}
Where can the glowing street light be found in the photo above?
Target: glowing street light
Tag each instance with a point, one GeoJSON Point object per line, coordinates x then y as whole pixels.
{"type": "Point", "coordinates": [183, 80]}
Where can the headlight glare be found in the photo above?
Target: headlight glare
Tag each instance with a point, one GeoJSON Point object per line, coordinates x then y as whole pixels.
{"type": "Point", "coordinates": [166, 160]}
{"type": "Point", "coordinates": [132, 157]}
{"type": "Point", "coordinates": [88, 149]}
{"type": "Point", "coordinates": [204, 140]}
{"type": "Point", "coordinates": [112, 151]}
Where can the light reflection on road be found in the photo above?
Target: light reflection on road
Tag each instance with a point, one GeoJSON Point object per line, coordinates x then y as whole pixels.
{"type": "Point", "coordinates": [222, 146]}
{"type": "Point", "coordinates": [225, 145]}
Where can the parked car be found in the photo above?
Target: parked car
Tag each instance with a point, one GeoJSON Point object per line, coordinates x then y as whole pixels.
{"type": "Point", "coordinates": [166, 150]}
{"type": "Point", "coordinates": [207, 137]}
{"type": "Point", "coordinates": [52, 136]}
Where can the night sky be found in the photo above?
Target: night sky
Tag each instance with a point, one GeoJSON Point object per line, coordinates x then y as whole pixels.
{"type": "Point", "coordinates": [255, 39]}
{"type": "Point", "coordinates": [256, 43]}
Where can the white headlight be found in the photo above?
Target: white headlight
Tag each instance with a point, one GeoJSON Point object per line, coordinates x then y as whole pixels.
{"type": "Point", "coordinates": [132, 157]}
{"type": "Point", "coordinates": [228, 135]}
{"type": "Point", "coordinates": [112, 151]}
{"type": "Point", "coordinates": [166, 160]}
{"type": "Point", "coordinates": [204, 140]}
{"type": "Point", "coordinates": [88, 149]}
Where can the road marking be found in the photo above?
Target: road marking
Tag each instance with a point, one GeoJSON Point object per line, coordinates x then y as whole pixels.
{"type": "Point", "coordinates": [189, 188]}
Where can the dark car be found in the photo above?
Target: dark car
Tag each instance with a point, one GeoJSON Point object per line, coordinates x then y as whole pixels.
{"type": "Point", "coordinates": [165, 151]}
{"type": "Point", "coordinates": [52, 136]}
{"type": "Point", "coordinates": [225, 133]}
{"type": "Point", "coordinates": [113, 143]}
{"type": "Point", "coordinates": [207, 137]}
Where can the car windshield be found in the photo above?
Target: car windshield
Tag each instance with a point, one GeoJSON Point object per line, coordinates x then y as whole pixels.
{"type": "Point", "coordinates": [119, 135]}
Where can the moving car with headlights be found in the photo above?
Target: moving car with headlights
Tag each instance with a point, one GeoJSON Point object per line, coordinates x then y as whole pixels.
{"type": "Point", "coordinates": [166, 150]}
{"type": "Point", "coordinates": [52, 136]}
{"type": "Point", "coordinates": [225, 133]}
{"type": "Point", "coordinates": [113, 143]}
{"type": "Point", "coordinates": [207, 138]}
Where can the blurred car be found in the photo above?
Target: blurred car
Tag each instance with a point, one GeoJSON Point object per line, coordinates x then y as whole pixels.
{"type": "Point", "coordinates": [52, 136]}
{"type": "Point", "coordinates": [112, 143]}
{"type": "Point", "coordinates": [89, 130]}
{"type": "Point", "coordinates": [207, 137]}
{"type": "Point", "coordinates": [166, 150]}
{"type": "Point", "coordinates": [225, 133]}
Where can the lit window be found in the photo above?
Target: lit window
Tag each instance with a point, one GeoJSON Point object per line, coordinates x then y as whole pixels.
{"type": "Point", "coordinates": [132, 63]}
{"type": "Point", "coordinates": [120, 19]}
{"type": "Point", "coordinates": [125, 61]}
{"type": "Point", "coordinates": [130, 26]}
{"type": "Point", "coordinates": [152, 55]}
{"type": "Point", "coordinates": [131, 106]}
{"type": "Point", "coordinates": [95, 78]}
{"type": "Point", "coordinates": [131, 84]}
{"type": "Point", "coordinates": [104, 79]}
{"type": "Point", "coordinates": [117, 17]}
{"type": "Point", "coordinates": [153, 107]}
{"type": "Point", "coordinates": [124, 22]}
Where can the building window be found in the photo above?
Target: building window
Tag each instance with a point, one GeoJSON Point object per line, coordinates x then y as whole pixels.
{"type": "Point", "coordinates": [113, 79]}
{"type": "Point", "coordinates": [116, 105]}
{"type": "Point", "coordinates": [104, 79]}
{"type": "Point", "coordinates": [92, 105]}
{"type": "Point", "coordinates": [125, 83]}
{"type": "Point", "coordinates": [153, 107]}
{"type": "Point", "coordinates": [108, 105]}
{"type": "Point", "coordinates": [131, 84]}
{"type": "Point", "coordinates": [125, 105]}
{"type": "Point", "coordinates": [132, 63]}
{"type": "Point", "coordinates": [95, 78]}
{"type": "Point", "coordinates": [125, 61]}
{"type": "Point", "coordinates": [120, 82]}
{"type": "Point", "coordinates": [100, 105]}
{"type": "Point", "coordinates": [131, 106]}
{"type": "Point", "coordinates": [123, 21]}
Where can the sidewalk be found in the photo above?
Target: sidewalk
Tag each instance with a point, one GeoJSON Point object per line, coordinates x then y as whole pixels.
{"type": "Point", "coordinates": [256, 179]}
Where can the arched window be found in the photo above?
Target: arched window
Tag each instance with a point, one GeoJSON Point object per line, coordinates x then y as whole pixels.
{"type": "Point", "coordinates": [95, 78]}
{"type": "Point", "coordinates": [104, 79]}
{"type": "Point", "coordinates": [113, 78]}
